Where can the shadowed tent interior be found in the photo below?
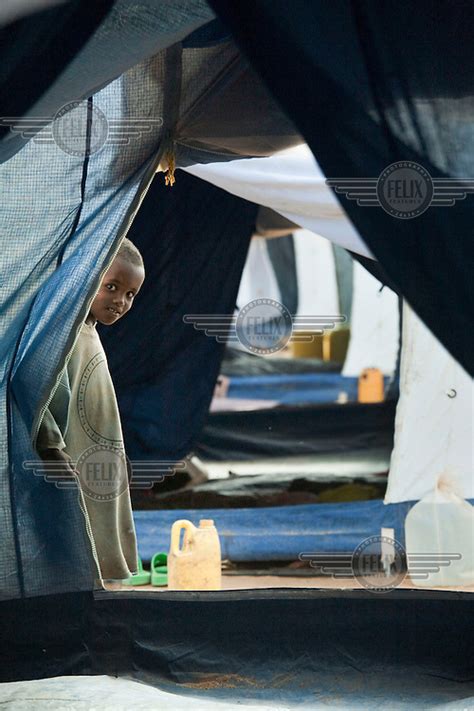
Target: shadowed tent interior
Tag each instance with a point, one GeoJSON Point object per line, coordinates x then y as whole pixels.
{"type": "Point", "coordinates": [194, 240]}
{"type": "Point", "coordinates": [365, 86]}
{"type": "Point", "coordinates": [397, 86]}
{"type": "Point", "coordinates": [32, 57]}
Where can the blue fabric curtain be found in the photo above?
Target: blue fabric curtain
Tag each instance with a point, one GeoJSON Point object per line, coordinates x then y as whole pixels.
{"type": "Point", "coordinates": [62, 217]}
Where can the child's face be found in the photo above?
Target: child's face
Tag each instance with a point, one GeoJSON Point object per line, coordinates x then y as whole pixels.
{"type": "Point", "coordinates": [120, 285]}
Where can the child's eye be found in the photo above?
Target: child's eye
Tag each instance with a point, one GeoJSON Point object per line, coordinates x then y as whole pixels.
{"type": "Point", "coordinates": [130, 294]}
{"type": "Point", "coordinates": [110, 287]}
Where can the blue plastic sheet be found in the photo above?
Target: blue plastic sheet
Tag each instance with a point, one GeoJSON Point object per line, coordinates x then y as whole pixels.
{"type": "Point", "coordinates": [280, 533]}
{"type": "Point", "coordinates": [294, 389]}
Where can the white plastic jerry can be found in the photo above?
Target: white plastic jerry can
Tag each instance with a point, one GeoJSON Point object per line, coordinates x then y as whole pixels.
{"type": "Point", "coordinates": [196, 565]}
{"type": "Point", "coordinates": [439, 537]}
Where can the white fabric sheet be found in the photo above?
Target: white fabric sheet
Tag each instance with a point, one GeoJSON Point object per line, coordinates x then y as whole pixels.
{"type": "Point", "coordinates": [316, 272]}
{"type": "Point", "coordinates": [374, 326]}
{"type": "Point", "coordinates": [258, 278]}
{"type": "Point", "coordinates": [91, 693]}
{"type": "Point", "coordinates": [292, 184]}
{"type": "Point", "coordinates": [105, 693]}
{"type": "Point", "coordinates": [434, 421]}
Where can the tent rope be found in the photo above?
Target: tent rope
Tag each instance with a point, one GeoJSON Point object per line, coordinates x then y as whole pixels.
{"type": "Point", "coordinates": [171, 161]}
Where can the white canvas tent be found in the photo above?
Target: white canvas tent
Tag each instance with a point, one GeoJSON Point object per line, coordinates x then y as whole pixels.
{"type": "Point", "coordinates": [434, 421]}
{"type": "Point", "coordinates": [291, 183]}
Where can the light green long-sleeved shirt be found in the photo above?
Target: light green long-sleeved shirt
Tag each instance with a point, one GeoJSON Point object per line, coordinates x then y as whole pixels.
{"type": "Point", "coordinates": [83, 420]}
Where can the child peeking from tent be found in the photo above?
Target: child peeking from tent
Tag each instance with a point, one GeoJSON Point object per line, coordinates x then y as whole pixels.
{"type": "Point", "coordinates": [81, 433]}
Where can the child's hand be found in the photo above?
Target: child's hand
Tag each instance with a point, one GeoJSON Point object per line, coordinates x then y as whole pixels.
{"type": "Point", "coordinates": [58, 455]}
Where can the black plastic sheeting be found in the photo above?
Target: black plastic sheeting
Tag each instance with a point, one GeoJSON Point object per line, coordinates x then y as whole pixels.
{"type": "Point", "coordinates": [281, 252]}
{"type": "Point", "coordinates": [33, 51]}
{"type": "Point", "coordinates": [194, 239]}
{"type": "Point", "coordinates": [243, 363]}
{"type": "Point", "coordinates": [370, 84]}
{"type": "Point", "coordinates": [69, 53]}
{"type": "Point", "coordinates": [290, 431]}
{"type": "Point", "coordinates": [258, 643]}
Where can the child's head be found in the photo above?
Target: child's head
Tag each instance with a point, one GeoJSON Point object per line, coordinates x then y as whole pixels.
{"type": "Point", "coordinates": [120, 285]}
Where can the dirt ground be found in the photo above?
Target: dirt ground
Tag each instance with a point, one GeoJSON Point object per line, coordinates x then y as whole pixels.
{"type": "Point", "coordinates": [259, 582]}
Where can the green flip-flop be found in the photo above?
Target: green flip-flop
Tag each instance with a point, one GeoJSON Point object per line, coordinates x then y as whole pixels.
{"type": "Point", "coordinates": [142, 577]}
{"type": "Point", "coordinates": [159, 570]}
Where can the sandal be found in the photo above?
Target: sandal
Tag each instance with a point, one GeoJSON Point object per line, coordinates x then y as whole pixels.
{"type": "Point", "coordinates": [159, 570]}
{"type": "Point", "coordinates": [141, 577]}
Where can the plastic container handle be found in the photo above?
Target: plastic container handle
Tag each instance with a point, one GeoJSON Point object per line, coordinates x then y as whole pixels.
{"type": "Point", "coordinates": [176, 529]}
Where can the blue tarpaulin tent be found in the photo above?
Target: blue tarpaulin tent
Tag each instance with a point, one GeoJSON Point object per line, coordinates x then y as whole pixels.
{"type": "Point", "coordinates": [366, 86]}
